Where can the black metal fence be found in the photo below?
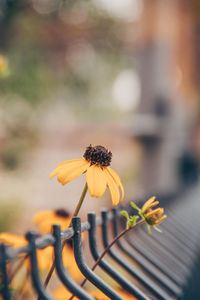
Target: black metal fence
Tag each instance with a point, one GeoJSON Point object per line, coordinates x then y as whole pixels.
{"type": "Point", "coordinates": [160, 266]}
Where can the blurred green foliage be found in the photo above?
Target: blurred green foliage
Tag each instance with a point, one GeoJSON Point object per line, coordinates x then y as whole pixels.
{"type": "Point", "coordinates": [45, 51]}
{"type": "Point", "coordinates": [19, 132]}
{"type": "Point", "coordinates": [10, 211]}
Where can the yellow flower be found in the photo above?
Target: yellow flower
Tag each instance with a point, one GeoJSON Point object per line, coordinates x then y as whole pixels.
{"type": "Point", "coordinates": [152, 216]}
{"type": "Point", "coordinates": [45, 220]}
{"type": "Point", "coordinates": [99, 174]}
{"type": "Point", "coordinates": [44, 256]}
{"type": "Point", "coordinates": [3, 65]}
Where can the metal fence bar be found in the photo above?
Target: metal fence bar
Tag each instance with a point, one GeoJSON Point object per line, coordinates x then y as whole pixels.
{"type": "Point", "coordinates": [150, 269]}
{"type": "Point", "coordinates": [91, 276]}
{"type": "Point", "coordinates": [5, 281]}
{"type": "Point", "coordinates": [149, 284]}
{"type": "Point", "coordinates": [125, 283]}
{"type": "Point", "coordinates": [70, 284]}
{"type": "Point", "coordinates": [42, 293]}
{"type": "Point", "coordinates": [152, 261]}
{"type": "Point", "coordinates": [149, 256]}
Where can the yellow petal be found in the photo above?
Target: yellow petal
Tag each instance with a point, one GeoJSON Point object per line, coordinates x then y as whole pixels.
{"type": "Point", "coordinates": [64, 166]}
{"type": "Point", "coordinates": [161, 219]}
{"type": "Point", "coordinates": [154, 204]}
{"type": "Point", "coordinates": [148, 203]}
{"type": "Point", "coordinates": [12, 239]}
{"type": "Point", "coordinates": [42, 215]}
{"type": "Point", "coordinates": [70, 161]}
{"type": "Point", "coordinates": [157, 212]}
{"type": "Point", "coordinates": [113, 187]}
{"type": "Point", "coordinates": [70, 171]}
{"type": "Point", "coordinates": [45, 258]}
{"type": "Point", "coordinates": [117, 180]}
{"type": "Point", "coordinates": [45, 226]}
{"type": "Point", "coordinates": [96, 181]}
{"type": "Point", "coordinates": [70, 263]}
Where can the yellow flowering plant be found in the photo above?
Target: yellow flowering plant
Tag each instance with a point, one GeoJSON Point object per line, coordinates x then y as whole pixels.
{"type": "Point", "coordinates": [152, 217]}
{"type": "Point", "coordinates": [99, 174]}
{"type": "Point", "coordinates": [95, 164]}
{"type": "Point", "coordinates": [44, 221]}
{"type": "Point", "coordinates": [147, 215]}
{"type": "Point", "coordinates": [19, 271]}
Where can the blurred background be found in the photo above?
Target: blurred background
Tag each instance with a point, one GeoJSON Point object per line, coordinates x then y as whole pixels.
{"type": "Point", "coordinates": [120, 73]}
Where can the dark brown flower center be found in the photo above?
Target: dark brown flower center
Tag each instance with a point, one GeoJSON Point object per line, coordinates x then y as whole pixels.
{"type": "Point", "coordinates": [62, 213]}
{"type": "Point", "coordinates": [98, 155]}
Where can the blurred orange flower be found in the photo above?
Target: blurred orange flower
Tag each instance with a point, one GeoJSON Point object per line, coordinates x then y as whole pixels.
{"type": "Point", "coordinates": [99, 174]}
{"type": "Point", "coordinates": [44, 256]}
{"type": "Point", "coordinates": [45, 220]}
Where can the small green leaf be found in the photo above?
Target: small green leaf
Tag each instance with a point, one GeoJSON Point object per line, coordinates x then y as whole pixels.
{"type": "Point", "coordinates": [157, 229]}
{"type": "Point", "coordinates": [135, 206]}
{"type": "Point", "coordinates": [133, 220]}
{"type": "Point", "coordinates": [124, 213]}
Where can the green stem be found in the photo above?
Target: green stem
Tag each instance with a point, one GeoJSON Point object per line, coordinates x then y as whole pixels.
{"type": "Point", "coordinates": [77, 209]}
{"type": "Point", "coordinates": [79, 203]}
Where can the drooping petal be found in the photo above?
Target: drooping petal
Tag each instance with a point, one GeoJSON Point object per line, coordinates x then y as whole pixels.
{"type": "Point", "coordinates": [96, 181]}
{"type": "Point", "coordinates": [148, 203]}
{"type": "Point", "coordinates": [156, 212]}
{"type": "Point", "coordinates": [69, 161]}
{"type": "Point", "coordinates": [161, 220]}
{"type": "Point", "coordinates": [113, 187]}
{"type": "Point", "coordinates": [117, 180]}
{"type": "Point", "coordinates": [70, 171]}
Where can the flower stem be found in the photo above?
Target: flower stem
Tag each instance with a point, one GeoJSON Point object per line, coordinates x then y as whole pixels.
{"type": "Point", "coordinates": [77, 209]}
{"type": "Point", "coordinates": [18, 267]}
{"type": "Point", "coordinates": [107, 248]}
{"type": "Point", "coordinates": [79, 203]}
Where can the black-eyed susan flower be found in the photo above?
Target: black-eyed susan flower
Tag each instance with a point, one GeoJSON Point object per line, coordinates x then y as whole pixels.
{"type": "Point", "coordinates": [44, 256]}
{"type": "Point", "coordinates": [99, 174]}
{"type": "Point", "coordinates": [152, 217]}
{"type": "Point", "coordinates": [45, 220]}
